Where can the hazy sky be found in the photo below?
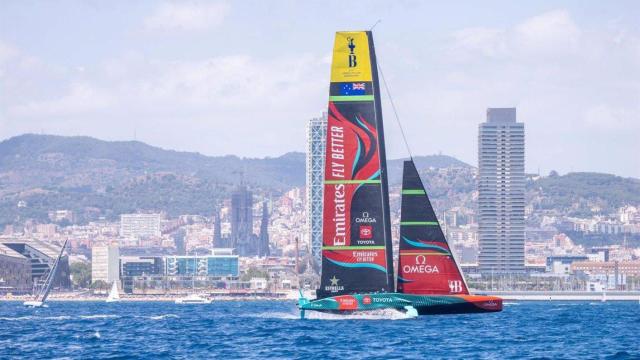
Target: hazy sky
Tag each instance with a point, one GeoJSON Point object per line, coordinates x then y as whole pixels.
{"type": "Point", "coordinates": [244, 77]}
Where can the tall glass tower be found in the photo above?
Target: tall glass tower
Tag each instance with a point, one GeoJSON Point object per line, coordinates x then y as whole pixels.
{"type": "Point", "coordinates": [501, 193]}
{"type": "Point", "coordinates": [316, 140]}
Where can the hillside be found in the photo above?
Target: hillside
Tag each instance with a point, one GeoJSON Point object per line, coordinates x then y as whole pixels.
{"type": "Point", "coordinates": [98, 178]}
{"type": "Point", "coordinates": [583, 193]}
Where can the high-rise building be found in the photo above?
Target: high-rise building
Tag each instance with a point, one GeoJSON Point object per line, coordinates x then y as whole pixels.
{"type": "Point", "coordinates": [501, 191]}
{"type": "Point", "coordinates": [264, 232]}
{"type": "Point", "coordinates": [135, 226]}
{"type": "Point", "coordinates": [242, 222]}
{"type": "Point", "coordinates": [316, 140]}
{"type": "Point", "coordinates": [105, 263]}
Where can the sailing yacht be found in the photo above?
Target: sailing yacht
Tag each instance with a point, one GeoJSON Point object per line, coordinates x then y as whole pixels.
{"type": "Point", "coordinates": [114, 295]}
{"type": "Point", "coordinates": [41, 297]}
{"type": "Point", "coordinates": [357, 263]}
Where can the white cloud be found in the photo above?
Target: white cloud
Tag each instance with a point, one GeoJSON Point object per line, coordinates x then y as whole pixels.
{"type": "Point", "coordinates": [7, 52]}
{"type": "Point", "coordinates": [550, 32]}
{"type": "Point", "coordinates": [575, 84]}
{"type": "Point", "coordinates": [187, 15]}
{"type": "Point", "coordinates": [488, 41]}
{"type": "Point", "coordinates": [81, 98]}
{"type": "Point", "coordinates": [547, 34]}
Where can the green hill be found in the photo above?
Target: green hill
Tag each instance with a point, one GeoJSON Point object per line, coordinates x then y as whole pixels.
{"type": "Point", "coordinates": [98, 178]}
{"type": "Point", "coordinates": [579, 192]}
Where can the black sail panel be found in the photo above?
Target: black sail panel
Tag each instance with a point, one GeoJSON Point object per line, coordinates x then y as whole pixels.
{"type": "Point", "coordinates": [426, 264]}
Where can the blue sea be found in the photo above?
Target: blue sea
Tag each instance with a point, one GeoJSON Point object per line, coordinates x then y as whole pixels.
{"type": "Point", "coordinates": [265, 329]}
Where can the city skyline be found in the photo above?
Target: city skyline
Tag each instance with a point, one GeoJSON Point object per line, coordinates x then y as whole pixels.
{"type": "Point", "coordinates": [169, 68]}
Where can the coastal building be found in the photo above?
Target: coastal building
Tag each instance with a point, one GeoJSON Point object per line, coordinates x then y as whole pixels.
{"type": "Point", "coordinates": [136, 226]}
{"type": "Point", "coordinates": [561, 264]}
{"type": "Point", "coordinates": [316, 144]}
{"type": "Point", "coordinates": [630, 268]}
{"type": "Point", "coordinates": [105, 263]}
{"type": "Point", "coordinates": [41, 255]}
{"type": "Point", "coordinates": [501, 192]}
{"type": "Point", "coordinates": [221, 263]}
{"type": "Point", "coordinates": [15, 272]}
{"type": "Point", "coordinates": [140, 269]}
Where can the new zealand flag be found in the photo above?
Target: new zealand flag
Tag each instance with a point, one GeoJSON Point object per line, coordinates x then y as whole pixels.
{"type": "Point", "coordinates": [353, 89]}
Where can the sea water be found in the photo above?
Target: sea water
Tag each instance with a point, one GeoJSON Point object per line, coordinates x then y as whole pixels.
{"type": "Point", "coordinates": [269, 329]}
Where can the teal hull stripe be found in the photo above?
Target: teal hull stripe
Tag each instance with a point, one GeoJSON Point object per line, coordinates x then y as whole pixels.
{"type": "Point", "coordinates": [359, 265]}
{"type": "Point", "coordinates": [426, 246]}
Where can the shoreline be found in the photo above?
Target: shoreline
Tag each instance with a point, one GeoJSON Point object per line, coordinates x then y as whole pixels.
{"type": "Point", "coordinates": [565, 295]}
{"type": "Point", "coordinates": [293, 296]}
{"type": "Point", "coordinates": [142, 298]}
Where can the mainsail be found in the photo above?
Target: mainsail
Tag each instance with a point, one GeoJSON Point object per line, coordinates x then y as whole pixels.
{"type": "Point", "coordinates": [44, 292]}
{"type": "Point", "coordinates": [356, 252]}
{"type": "Point", "coordinates": [426, 264]}
{"type": "Point", "coordinates": [114, 295]}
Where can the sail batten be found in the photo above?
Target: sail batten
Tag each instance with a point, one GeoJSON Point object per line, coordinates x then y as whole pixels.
{"type": "Point", "coordinates": [356, 248]}
{"type": "Point", "coordinates": [426, 264]}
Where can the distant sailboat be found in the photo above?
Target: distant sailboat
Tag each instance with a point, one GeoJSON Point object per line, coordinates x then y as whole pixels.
{"type": "Point", "coordinates": [114, 295]}
{"type": "Point", "coordinates": [41, 297]}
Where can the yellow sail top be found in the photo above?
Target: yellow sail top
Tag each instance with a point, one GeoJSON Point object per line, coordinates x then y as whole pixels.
{"type": "Point", "coordinates": [351, 57]}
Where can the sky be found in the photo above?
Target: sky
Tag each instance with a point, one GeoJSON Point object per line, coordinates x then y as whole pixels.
{"type": "Point", "coordinates": [244, 77]}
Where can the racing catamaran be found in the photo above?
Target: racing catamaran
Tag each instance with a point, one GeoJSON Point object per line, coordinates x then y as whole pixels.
{"type": "Point", "coordinates": [41, 297]}
{"type": "Point", "coordinates": [357, 257]}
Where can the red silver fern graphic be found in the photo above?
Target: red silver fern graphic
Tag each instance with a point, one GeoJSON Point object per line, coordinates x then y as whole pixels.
{"type": "Point", "coordinates": [365, 164]}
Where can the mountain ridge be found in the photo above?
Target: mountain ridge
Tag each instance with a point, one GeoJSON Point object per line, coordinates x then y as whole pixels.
{"type": "Point", "coordinates": [112, 177]}
{"type": "Point", "coordinates": [100, 178]}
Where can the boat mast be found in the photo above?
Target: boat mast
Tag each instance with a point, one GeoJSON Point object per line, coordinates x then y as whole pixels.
{"type": "Point", "coordinates": [52, 274]}
{"type": "Point", "coordinates": [386, 218]}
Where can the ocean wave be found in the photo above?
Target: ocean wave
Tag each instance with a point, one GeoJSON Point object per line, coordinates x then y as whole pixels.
{"type": "Point", "coordinates": [31, 317]}
{"type": "Point", "coordinates": [275, 315]}
{"type": "Point", "coordinates": [382, 314]}
{"type": "Point", "coordinates": [161, 317]}
{"type": "Point", "coordinates": [99, 316]}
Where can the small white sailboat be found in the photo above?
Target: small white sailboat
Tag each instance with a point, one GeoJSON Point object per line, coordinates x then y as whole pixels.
{"type": "Point", "coordinates": [41, 297]}
{"type": "Point", "coordinates": [114, 295]}
{"type": "Point", "coordinates": [193, 299]}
